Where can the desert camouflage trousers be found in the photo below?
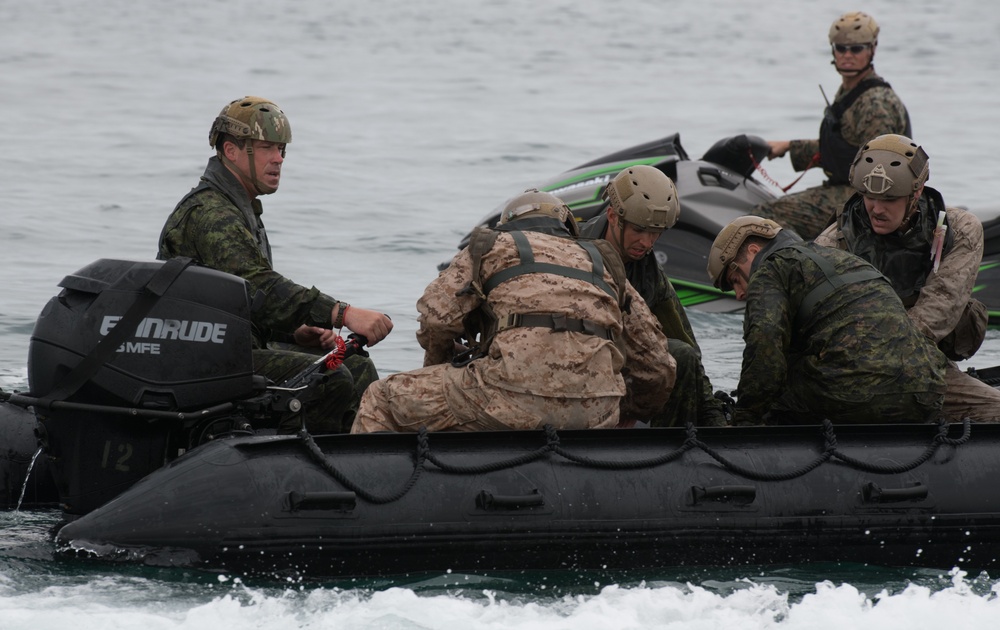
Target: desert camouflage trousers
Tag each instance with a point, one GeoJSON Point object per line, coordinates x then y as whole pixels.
{"type": "Point", "coordinates": [969, 397]}
{"type": "Point", "coordinates": [330, 404]}
{"type": "Point", "coordinates": [808, 212]}
{"type": "Point", "coordinates": [447, 398]}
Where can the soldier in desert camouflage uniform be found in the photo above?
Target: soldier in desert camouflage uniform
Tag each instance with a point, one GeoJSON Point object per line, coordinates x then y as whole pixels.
{"type": "Point", "coordinates": [826, 336]}
{"type": "Point", "coordinates": [865, 106]}
{"type": "Point", "coordinates": [642, 203]}
{"type": "Point", "coordinates": [219, 225]}
{"type": "Point", "coordinates": [892, 221]}
{"type": "Point", "coordinates": [560, 333]}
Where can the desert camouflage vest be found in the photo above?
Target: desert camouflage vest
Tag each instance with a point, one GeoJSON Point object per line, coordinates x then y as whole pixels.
{"type": "Point", "coordinates": [482, 325]}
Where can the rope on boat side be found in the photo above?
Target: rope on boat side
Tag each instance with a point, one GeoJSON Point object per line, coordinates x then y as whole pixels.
{"type": "Point", "coordinates": [553, 444]}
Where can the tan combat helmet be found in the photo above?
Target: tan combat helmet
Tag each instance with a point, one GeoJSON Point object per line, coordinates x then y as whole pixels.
{"type": "Point", "coordinates": [855, 27]}
{"type": "Point", "coordinates": [251, 118]}
{"type": "Point", "coordinates": [644, 196]}
{"type": "Point", "coordinates": [889, 166]}
{"type": "Point", "coordinates": [532, 203]}
{"type": "Point", "coordinates": [722, 256]}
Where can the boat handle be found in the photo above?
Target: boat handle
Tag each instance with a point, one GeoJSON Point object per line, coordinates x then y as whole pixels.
{"type": "Point", "coordinates": [874, 493]}
{"type": "Point", "coordinates": [735, 494]}
{"type": "Point", "coordinates": [486, 500]}
{"type": "Point", "coordinates": [333, 500]}
{"type": "Point", "coordinates": [705, 172]}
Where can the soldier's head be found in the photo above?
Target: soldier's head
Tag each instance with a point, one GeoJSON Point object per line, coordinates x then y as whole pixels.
{"type": "Point", "coordinates": [731, 257]}
{"type": "Point", "coordinates": [538, 211]}
{"type": "Point", "coordinates": [853, 40]}
{"type": "Point", "coordinates": [890, 171]}
{"type": "Point", "coordinates": [249, 135]}
{"type": "Point", "coordinates": [642, 203]}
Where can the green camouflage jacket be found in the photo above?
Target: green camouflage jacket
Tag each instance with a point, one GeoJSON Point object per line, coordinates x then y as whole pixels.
{"type": "Point", "coordinates": [855, 343]}
{"type": "Point", "coordinates": [218, 226]}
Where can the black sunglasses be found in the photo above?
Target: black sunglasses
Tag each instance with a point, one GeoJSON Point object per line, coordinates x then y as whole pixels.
{"type": "Point", "coordinates": [854, 48]}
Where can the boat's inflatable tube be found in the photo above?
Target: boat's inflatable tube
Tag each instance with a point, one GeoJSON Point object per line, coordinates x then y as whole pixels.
{"type": "Point", "coordinates": [382, 504]}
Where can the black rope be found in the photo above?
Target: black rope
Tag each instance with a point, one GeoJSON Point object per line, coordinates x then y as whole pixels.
{"type": "Point", "coordinates": [553, 444]}
{"type": "Point", "coordinates": [322, 460]}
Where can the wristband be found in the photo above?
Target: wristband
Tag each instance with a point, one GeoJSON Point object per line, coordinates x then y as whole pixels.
{"type": "Point", "coordinates": [341, 311]}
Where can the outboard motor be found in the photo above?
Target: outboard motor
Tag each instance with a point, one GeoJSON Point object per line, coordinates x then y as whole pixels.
{"type": "Point", "coordinates": [127, 361]}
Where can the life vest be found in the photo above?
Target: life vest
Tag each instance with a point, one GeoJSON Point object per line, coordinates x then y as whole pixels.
{"type": "Point", "coordinates": [904, 259]}
{"type": "Point", "coordinates": [835, 153]}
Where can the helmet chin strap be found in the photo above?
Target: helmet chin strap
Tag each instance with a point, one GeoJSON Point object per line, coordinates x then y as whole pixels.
{"type": "Point", "coordinates": [253, 182]}
{"type": "Point", "coordinates": [854, 73]}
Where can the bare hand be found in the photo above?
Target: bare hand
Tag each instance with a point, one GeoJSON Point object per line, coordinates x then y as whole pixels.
{"type": "Point", "coordinates": [778, 148]}
{"type": "Point", "coordinates": [375, 326]}
{"type": "Point", "coordinates": [310, 336]}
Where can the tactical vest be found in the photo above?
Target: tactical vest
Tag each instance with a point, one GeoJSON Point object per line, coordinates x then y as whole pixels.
{"type": "Point", "coordinates": [832, 281]}
{"type": "Point", "coordinates": [835, 153]}
{"type": "Point", "coordinates": [903, 259]}
{"type": "Point", "coordinates": [482, 325]}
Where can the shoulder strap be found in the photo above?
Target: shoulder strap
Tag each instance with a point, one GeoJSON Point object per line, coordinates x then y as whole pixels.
{"type": "Point", "coordinates": [845, 103]}
{"type": "Point", "coordinates": [831, 283]}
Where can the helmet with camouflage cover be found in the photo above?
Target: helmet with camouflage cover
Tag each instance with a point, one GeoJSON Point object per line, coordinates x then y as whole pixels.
{"type": "Point", "coordinates": [533, 203]}
{"type": "Point", "coordinates": [855, 27]}
{"type": "Point", "coordinates": [644, 196]}
{"type": "Point", "coordinates": [251, 118]}
{"type": "Point", "coordinates": [889, 166]}
{"type": "Point", "coordinates": [722, 256]}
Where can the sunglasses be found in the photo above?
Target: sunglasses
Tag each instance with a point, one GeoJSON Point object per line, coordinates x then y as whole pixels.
{"type": "Point", "coordinates": [854, 48]}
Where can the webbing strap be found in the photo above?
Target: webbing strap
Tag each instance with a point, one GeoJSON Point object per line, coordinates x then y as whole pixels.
{"type": "Point", "coordinates": [557, 323]}
{"type": "Point", "coordinates": [528, 265]}
{"type": "Point", "coordinates": [832, 282]}
{"type": "Point", "coordinates": [106, 347]}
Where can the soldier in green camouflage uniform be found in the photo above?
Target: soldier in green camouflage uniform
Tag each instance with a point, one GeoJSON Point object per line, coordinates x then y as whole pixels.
{"type": "Point", "coordinates": [826, 336]}
{"type": "Point", "coordinates": [219, 225]}
{"type": "Point", "coordinates": [865, 106]}
{"type": "Point", "coordinates": [642, 203]}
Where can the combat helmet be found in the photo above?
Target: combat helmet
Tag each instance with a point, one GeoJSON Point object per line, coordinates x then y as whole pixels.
{"type": "Point", "coordinates": [251, 118]}
{"type": "Point", "coordinates": [534, 203]}
{"type": "Point", "coordinates": [855, 27]}
{"type": "Point", "coordinates": [644, 196]}
{"type": "Point", "coordinates": [722, 256]}
{"type": "Point", "coordinates": [889, 166]}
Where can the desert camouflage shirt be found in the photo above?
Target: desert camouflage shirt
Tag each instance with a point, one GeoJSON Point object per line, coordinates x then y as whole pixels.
{"type": "Point", "coordinates": [538, 360]}
{"type": "Point", "coordinates": [220, 227]}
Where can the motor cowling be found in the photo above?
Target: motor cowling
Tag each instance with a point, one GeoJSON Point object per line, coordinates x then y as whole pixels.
{"type": "Point", "coordinates": [187, 347]}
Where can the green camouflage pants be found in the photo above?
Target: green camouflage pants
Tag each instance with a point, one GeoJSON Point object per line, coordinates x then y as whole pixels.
{"type": "Point", "coordinates": [808, 212]}
{"type": "Point", "coordinates": [692, 399]}
{"type": "Point", "coordinates": [328, 406]}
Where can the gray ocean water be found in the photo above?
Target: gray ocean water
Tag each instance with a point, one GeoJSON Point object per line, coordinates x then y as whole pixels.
{"type": "Point", "coordinates": [412, 120]}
